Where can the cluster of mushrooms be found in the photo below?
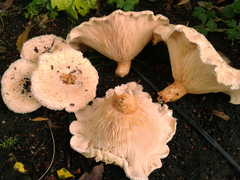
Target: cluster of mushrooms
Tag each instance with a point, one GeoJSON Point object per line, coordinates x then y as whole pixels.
{"type": "Point", "coordinates": [125, 127]}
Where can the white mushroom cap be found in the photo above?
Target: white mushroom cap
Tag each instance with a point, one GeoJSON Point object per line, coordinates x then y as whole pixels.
{"type": "Point", "coordinates": [196, 65]}
{"type": "Point", "coordinates": [64, 79]}
{"type": "Point", "coordinates": [15, 87]}
{"type": "Point", "coordinates": [125, 128]}
{"type": "Point", "coordinates": [119, 36]}
{"type": "Point", "coordinates": [39, 45]}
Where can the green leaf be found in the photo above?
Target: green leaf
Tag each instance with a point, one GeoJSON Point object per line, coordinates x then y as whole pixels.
{"type": "Point", "coordinates": [112, 1]}
{"type": "Point", "coordinates": [120, 3]}
{"type": "Point", "coordinates": [82, 7]}
{"type": "Point", "coordinates": [232, 23]}
{"type": "Point", "coordinates": [232, 34]}
{"type": "Point", "coordinates": [228, 11]}
{"type": "Point", "coordinates": [73, 7]}
{"type": "Point", "coordinates": [236, 6]}
{"type": "Point", "coordinates": [129, 5]}
{"type": "Point", "coordinates": [199, 9]}
{"type": "Point", "coordinates": [211, 24]}
{"type": "Point", "coordinates": [211, 14]}
{"type": "Point", "coordinates": [203, 30]}
{"type": "Point", "coordinates": [92, 4]}
{"type": "Point", "coordinates": [207, 6]}
{"type": "Point", "coordinates": [202, 17]}
{"type": "Point", "coordinates": [238, 28]}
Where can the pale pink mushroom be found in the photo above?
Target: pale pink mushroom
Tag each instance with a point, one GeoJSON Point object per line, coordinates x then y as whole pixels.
{"type": "Point", "coordinates": [119, 36]}
{"type": "Point", "coordinates": [35, 47]}
{"type": "Point", "coordinates": [196, 66]}
{"type": "Point", "coordinates": [64, 80]}
{"type": "Point", "coordinates": [16, 87]}
{"type": "Point", "coordinates": [125, 128]}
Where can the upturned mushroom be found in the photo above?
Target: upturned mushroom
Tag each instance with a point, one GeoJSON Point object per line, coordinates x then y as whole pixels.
{"type": "Point", "coordinates": [197, 67]}
{"type": "Point", "coordinates": [64, 80]}
{"type": "Point", "coordinates": [125, 128]}
{"type": "Point", "coordinates": [39, 45]}
{"type": "Point", "coordinates": [16, 87]}
{"type": "Point", "coordinates": [119, 36]}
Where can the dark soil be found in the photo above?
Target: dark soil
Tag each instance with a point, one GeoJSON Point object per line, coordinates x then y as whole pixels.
{"type": "Point", "coordinates": [191, 156]}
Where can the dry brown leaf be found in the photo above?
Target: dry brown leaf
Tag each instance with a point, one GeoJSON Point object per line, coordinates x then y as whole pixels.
{"type": "Point", "coordinates": [95, 174]}
{"type": "Point", "coordinates": [221, 115]}
{"type": "Point", "coordinates": [220, 1]}
{"type": "Point", "coordinates": [40, 119]}
{"type": "Point", "coordinates": [204, 3]}
{"type": "Point", "coordinates": [183, 2]}
{"type": "Point", "coordinates": [5, 6]}
{"type": "Point", "coordinates": [22, 39]}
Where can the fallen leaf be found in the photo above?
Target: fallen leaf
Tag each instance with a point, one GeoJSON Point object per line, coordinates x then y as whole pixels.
{"type": "Point", "coordinates": [183, 2]}
{"type": "Point", "coordinates": [5, 6]}
{"type": "Point", "coordinates": [95, 174]}
{"type": "Point", "coordinates": [64, 173]}
{"type": "Point", "coordinates": [22, 39]}
{"type": "Point", "coordinates": [221, 115]}
{"type": "Point", "coordinates": [220, 1]}
{"type": "Point", "coordinates": [19, 167]}
{"type": "Point", "coordinates": [40, 119]}
{"type": "Point", "coordinates": [204, 3]}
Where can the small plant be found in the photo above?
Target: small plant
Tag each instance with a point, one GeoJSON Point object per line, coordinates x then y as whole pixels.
{"type": "Point", "coordinates": [36, 6]}
{"type": "Point", "coordinates": [207, 18]}
{"type": "Point", "coordinates": [73, 7]}
{"type": "Point", "coordinates": [126, 5]}
{"type": "Point", "coordinates": [8, 142]}
{"type": "Point", "coordinates": [234, 30]}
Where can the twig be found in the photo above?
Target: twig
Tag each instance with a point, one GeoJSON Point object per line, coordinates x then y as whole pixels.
{"type": "Point", "coordinates": [2, 25]}
{"type": "Point", "coordinates": [49, 125]}
{"type": "Point", "coordinates": [198, 128]}
{"type": "Point", "coordinates": [38, 149]}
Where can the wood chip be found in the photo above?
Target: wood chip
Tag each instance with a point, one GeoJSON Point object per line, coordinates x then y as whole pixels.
{"type": "Point", "coordinates": [221, 115]}
{"type": "Point", "coordinates": [183, 2]}
{"type": "Point", "coordinates": [40, 119]}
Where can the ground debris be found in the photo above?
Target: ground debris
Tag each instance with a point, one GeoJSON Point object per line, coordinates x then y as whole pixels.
{"type": "Point", "coordinates": [95, 174]}
{"type": "Point", "coordinates": [221, 115]}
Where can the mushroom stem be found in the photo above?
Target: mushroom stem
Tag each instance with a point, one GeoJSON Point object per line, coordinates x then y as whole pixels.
{"type": "Point", "coordinates": [125, 102]}
{"type": "Point", "coordinates": [173, 92]}
{"type": "Point", "coordinates": [123, 68]}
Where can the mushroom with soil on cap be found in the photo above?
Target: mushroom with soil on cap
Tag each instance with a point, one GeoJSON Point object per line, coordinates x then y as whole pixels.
{"type": "Point", "coordinates": [39, 45]}
{"type": "Point", "coordinates": [64, 80]}
{"type": "Point", "coordinates": [16, 87]}
{"type": "Point", "coordinates": [125, 128]}
{"type": "Point", "coordinates": [197, 67]}
{"type": "Point", "coordinates": [119, 36]}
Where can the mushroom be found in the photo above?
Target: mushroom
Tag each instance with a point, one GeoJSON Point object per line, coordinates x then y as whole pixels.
{"type": "Point", "coordinates": [16, 87]}
{"type": "Point", "coordinates": [119, 36]}
{"type": "Point", "coordinates": [125, 128]}
{"type": "Point", "coordinates": [39, 45]}
{"type": "Point", "coordinates": [64, 79]}
{"type": "Point", "coordinates": [197, 67]}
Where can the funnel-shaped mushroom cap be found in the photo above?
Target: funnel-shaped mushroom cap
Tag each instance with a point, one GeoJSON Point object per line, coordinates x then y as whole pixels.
{"type": "Point", "coordinates": [125, 128]}
{"type": "Point", "coordinates": [196, 66]}
{"type": "Point", "coordinates": [119, 36]}
{"type": "Point", "coordinates": [64, 79]}
{"type": "Point", "coordinates": [16, 87]}
{"type": "Point", "coordinates": [39, 45]}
